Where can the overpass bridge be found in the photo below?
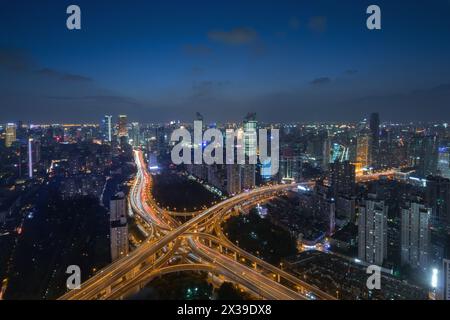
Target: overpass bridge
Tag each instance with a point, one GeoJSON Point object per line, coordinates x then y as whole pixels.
{"type": "Point", "coordinates": [175, 246]}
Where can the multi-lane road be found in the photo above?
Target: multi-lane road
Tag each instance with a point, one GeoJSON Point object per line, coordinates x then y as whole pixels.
{"type": "Point", "coordinates": [172, 239]}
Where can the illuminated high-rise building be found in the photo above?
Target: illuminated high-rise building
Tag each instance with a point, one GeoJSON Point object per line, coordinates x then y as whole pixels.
{"type": "Point", "coordinates": [423, 154]}
{"type": "Point", "coordinates": [443, 165]}
{"type": "Point", "coordinates": [250, 135]}
{"type": "Point", "coordinates": [290, 166]}
{"type": "Point", "coordinates": [123, 129]}
{"type": "Point", "coordinates": [372, 230]}
{"type": "Point", "coordinates": [446, 279]}
{"type": "Point", "coordinates": [374, 126]}
{"type": "Point", "coordinates": [248, 176]}
{"type": "Point", "coordinates": [338, 153]}
{"type": "Point", "coordinates": [341, 178]}
{"type": "Point", "coordinates": [34, 153]}
{"type": "Point", "coordinates": [428, 161]}
{"type": "Point", "coordinates": [326, 153]}
{"type": "Point", "coordinates": [135, 134]}
{"type": "Point", "coordinates": [107, 128]}
{"type": "Point", "coordinates": [266, 169]}
{"type": "Point", "coordinates": [438, 198]}
{"type": "Point", "coordinates": [363, 146]}
{"type": "Point", "coordinates": [10, 134]}
{"type": "Point", "coordinates": [118, 226]}
{"type": "Point", "coordinates": [415, 235]}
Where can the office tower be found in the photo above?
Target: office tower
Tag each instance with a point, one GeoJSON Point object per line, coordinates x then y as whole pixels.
{"type": "Point", "coordinates": [135, 134]}
{"type": "Point", "coordinates": [118, 226]}
{"type": "Point", "coordinates": [414, 151]}
{"type": "Point", "coordinates": [290, 166]}
{"type": "Point", "coordinates": [363, 157]}
{"type": "Point", "coordinates": [20, 131]}
{"type": "Point", "coordinates": [233, 179]}
{"type": "Point", "coordinates": [415, 235]}
{"type": "Point", "coordinates": [443, 165]}
{"type": "Point", "coordinates": [374, 127]}
{"type": "Point", "coordinates": [326, 208]}
{"type": "Point", "coordinates": [338, 153]}
{"type": "Point", "coordinates": [199, 117]}
{"type": "Point", "coordinates": [341, 178]}
{"type": "Point", "coordinates": [438, 198]}
{"type": "Point", "coordinates": [387, 153]}
{"type": "Point", "coordinates": [248, 176]}
{"type": "Point", "coordinates": [250, 137]}
{"type": "Point", "coordinates": [346, 207]}
{"type": "Point", "coordinates": [10, 134]}
{"type": "Point", "coordinates": [107, 128]}
{"type": "Point", "coordinates": [266, 170]}
{"type": "Point", "coordinates": [428, 156]}
{"type": "Point", "coordinates": [30, 158]}
{"type": "Point", "coordinates": [372, 230]}
{"type": "Point", "coordinates": [123, 130]}
{"type": "Point", "coordinates": [446, 279]}
{"type": "Point", "coordinates": [423, 154]}
{"type": "Point", "coordinates": [33, 155]}
{"type": "Point", "coordinates": [153, 161]}
{"type": "Point", "coordinates": [326, 153]}
{"type": "Point", "coordinates": [216, 175]}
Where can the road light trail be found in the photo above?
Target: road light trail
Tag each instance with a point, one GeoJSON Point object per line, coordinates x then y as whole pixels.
{"type": "Point", "coordinates": [250, 278]}
{"type": "Point", "coordinates": [111, 274]}
{"type": "Point", "coordinates": [136, 268]}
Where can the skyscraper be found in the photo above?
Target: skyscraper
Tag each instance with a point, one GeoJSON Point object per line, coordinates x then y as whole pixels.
{"type": "Point", "coordinates": [290, 166]}
{"type": "Point", "coordinates": [341, 177]}
{"type": "Point", "coordinates": [250, 138]}
{"type": "Point", "coordinates": [33, 155]}
{"type": "Point", "coordinates": [415, 235]}
{"type": "Point", "coordinates": [446, 279]}
{"type": "Point", "coordinates": [363, 156]}
{"type": "Point", "coordinates": [428, 156]}
{"type": "Point", "coordinates": [443, 165]}
{"type": "Point", "coordinates": [10, 134]}
{"type": "Point", "coordinates": [123, 130]}
{"type": "Point", "coordinates": [233, 179]}
{"type": "Point", "coordinates": [118, 226]}
{"type": "Point", "coordinates": [266, 170]}
{"type": "Point", "coordinates": [107, 128]}
{"type": "Point", "coordinates": [135, 134]}
{"type": "Point", "coordinates": [20, 131]}
{"type": "Point", "coordinates": [326, 153]}
{"type": "Point", "coordinates": [248, 174]}
{"type": "Point", "coordinates": [372, 230]}
{"type": "Point", "coordinates": [438, 198]}
{"type": "Point", "coordinates": [374, 126]}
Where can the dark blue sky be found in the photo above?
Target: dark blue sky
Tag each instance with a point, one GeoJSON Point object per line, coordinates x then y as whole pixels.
{"type": "Point", "coordinates": [285, 60]}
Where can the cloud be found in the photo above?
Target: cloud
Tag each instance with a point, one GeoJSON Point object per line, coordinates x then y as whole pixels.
{"type": "Point", "coordinates": [19, 61]}
{"type": "Point", "coordinates": [197, 50]}
{"type": "Point", "coordinates": [318, 24]}
{"type": "Point", "coordinates": [62, 75]}
{"type": "Point", "coordinates": [103, 99]}
{"type": "Point", "coordinates": [436, 93]}
{"type": "Point", "coordinates": [320, 81]}
{"type": "Point", "coordinates": [235, 37]}
{"type": "Point", "coordinates": [33, 92]}
{"type": "Point", "coordinates": [15, 59]}
{"type": "Point", "coordinates": [207, 88]}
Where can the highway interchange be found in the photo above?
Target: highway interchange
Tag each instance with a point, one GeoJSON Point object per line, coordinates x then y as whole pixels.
{"type": "Point", "coordinates": [198, 244]}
